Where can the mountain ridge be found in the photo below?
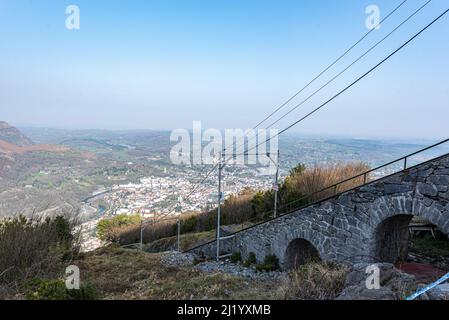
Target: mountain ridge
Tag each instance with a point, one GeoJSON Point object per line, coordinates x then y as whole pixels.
{"type": "Point", "coordinates": [13, 141]}
{"type": "Point", "coordinates": [13, 136]}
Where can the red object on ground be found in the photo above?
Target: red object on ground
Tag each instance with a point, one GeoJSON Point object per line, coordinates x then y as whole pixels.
{"type": "Point", "coordinates": [424, 273]}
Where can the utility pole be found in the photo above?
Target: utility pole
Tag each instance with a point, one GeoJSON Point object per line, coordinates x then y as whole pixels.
{"type": "Point", "coordinates": [276, 186]}
{"type": "Point", "coordinates": [141, 235]}
{"type": "Point", "coordinates": [220, 169]}
{"type": "Point", "coordinates": [179, 234]}
{"type": "Point", "coordinates": [276, 183]}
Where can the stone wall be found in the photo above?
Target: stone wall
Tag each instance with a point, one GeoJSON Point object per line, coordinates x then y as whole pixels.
{"type": "Point", "coordinates": [352, 227]}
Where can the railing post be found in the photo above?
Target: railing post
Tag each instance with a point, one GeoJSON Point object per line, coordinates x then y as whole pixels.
{"type": "Point", "coordinates": [220, 169]}
{"type": "Point", "coordinates": [277, 186]}
{"type": "Point", "coordinates": [405, 163]}
{"type": "Point", "coordinates": [141, 237]}
{"type": "Point", "coordinates": [364, 178]}
{"type": "Point", "coordinates": [179, 235]}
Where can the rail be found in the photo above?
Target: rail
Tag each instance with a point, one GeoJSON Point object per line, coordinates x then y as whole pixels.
{"type": "Point", "coordinates": [335, 189]}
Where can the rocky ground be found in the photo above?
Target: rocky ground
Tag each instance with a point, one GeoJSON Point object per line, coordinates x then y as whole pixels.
{"type": "Point", "coordinates": [239, 270]}
{"type": "Point", "coordinates": [394, 284]}
{"type": "Point", "coordinates": [440, 262]}
{"type": "Point", "coordinates": [177, 259]}
{"type": "Point", "coordinates": [118, 273]}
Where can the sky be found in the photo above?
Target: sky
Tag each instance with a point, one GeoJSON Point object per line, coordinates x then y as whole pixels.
{"type": "Point", "coordinates": [161, 64]}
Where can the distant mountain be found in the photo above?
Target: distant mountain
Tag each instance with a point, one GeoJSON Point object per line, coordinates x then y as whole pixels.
{"type": "Point", "coordinates": [12, 141]}
{"type": "Point", "coordinates": [13, 136]}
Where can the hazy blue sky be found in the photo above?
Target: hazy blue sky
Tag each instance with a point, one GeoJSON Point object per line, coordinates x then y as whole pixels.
{"type": "Point", "coordinates": [162, 64]}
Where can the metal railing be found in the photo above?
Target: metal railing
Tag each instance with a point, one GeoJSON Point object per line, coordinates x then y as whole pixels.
{"type": "Point", "coordinates": [336, 189]}
{"type": "Point", "coordinates": [291, 207]}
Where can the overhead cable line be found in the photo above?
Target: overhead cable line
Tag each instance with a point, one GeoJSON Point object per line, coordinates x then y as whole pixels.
{"type": "Point", "coordinates": [307, 85]}
{"type": "Point", "coordinates": [331, 65]}
{"type": "Point", "coordinates": [356, 81]}
{"type": "Point", "coordinates": [335, 62]}
{"type": "Point", "coordinates": [350, 65]}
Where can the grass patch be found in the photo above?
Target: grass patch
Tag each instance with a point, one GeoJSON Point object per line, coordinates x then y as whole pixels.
{"type": "Point", "coordinates": [34, 248]}
{"type": "Point", "coordinates": [250, 260]}
{"type": "Point", "coordinates": [187, 241]}
{"type": "Point", "coordinates": [270, 263]}
{"type": "Point", "coordinates": [314, 281]}
{"type": "Point", "coordinates": [127, 274]}
{"type": "Point", "coordinates": [236, 257]}
{"type": "Point", "coordinates": [431, 246]}
{"type": "Point", "coordinates": [56, 290]}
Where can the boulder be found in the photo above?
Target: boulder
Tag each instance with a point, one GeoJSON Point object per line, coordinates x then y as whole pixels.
{"type": "Point", "coordinates": [393, 283]}
{"type": "Point", "coordinates": [440, 292]}
{"type": "Point", "coordinates": [362, 293]}
{"type": "Point", "coordinates": [178, 259]}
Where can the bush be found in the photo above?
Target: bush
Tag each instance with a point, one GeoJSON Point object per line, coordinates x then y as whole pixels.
{"type": "Point", "coordinates": [110, 229]}
{"type": "Point", "coordinates": [271, 263]}
{"type": "Point", "coordinates": [47, 290]}
{"type": "Point", "coordinates": [305, 181]}
{"type": "Point", "coordinates": [85, 292]}
{"type": "Point", "coordinates": [56, 290]}
{"type": "Point", "coordinates": [250, 260]}
{"type": "Point", "coordinates": [314, 281]}
{"type": "Point", "coordinates": [236, 257]}
{"type": "Point", "coordinates": [35, 248]}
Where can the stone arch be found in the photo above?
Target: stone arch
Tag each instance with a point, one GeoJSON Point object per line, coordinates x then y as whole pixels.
{"type": "Point", "coordinates": [391, 236]}
{"type": "Point", "coordinates": [300, 251]}
{"type": "Point", "coordinates": [391, 239]}
{"type": "Point", "coordinates": [390, 216]}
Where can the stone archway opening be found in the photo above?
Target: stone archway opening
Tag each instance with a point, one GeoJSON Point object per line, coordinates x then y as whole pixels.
{"type": "Point", "coordinates": [300, 252]}
{"type": "Point", "coordinates": [414, 245]}
{"type": "Point", "coordinates": [392, 239]}
{"type": "Point", "coordinates": [428, 244]}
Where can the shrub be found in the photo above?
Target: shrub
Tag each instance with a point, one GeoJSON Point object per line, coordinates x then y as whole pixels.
{"type": "Point", "coordinates": [47, 290]}
{"type": "Point", "coordinates": [271, 263]}
{"type": "Point", "coordinates": [314, 281]}
{"type": "Point", "coordinates": [263, 203]}
{"type": "Point", "coordinates": [35, 248]}
{"type": "Point", "coordinates": [236, 257]}
{"type": "Point", "coordinates": [304, 181]}
{"type": "Point", "coordinates": [85, 292]}
{"type": "Point", "coordinates": [56, 290]}
{"type": "Point", "coordinates": [110, 229]}
{"type": "Point", "coordinates": [250, 260]}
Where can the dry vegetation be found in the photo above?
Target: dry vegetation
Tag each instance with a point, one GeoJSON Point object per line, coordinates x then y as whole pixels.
{"type": "Point", "coordinates": [251, 206]}
{"type": "Point", "coordinates": [310, 181]}
{"type": "Point", "coordinates": [186, 242]}
{"type": "Point", "coordinates": [314, 281]}
{"type": "Point", "coordinates": [127, 274]}
{"type": "Point", "coordinates": [34, 248]}
{"type": "Point", "coordinates": [34, 267]}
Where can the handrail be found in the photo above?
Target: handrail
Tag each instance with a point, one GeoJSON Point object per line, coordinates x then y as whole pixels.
{"type": "Point", "coordinates": [364, 174]}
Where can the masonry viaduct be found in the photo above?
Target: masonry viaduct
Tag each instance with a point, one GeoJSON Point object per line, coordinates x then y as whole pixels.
{"type": "Point", "coordinates": [365, 224]}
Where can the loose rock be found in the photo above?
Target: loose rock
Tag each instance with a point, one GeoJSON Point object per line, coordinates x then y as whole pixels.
{"type": "Point", "coordinates": [177, 259]}
{"type": "Point", "coordinates": [393, 283]}
{"type": "Point", "coordinates": [238, 270]}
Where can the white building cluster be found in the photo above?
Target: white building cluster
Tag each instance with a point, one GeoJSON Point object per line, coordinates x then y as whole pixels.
{"type": "Point", "coordinates": [154, 196]}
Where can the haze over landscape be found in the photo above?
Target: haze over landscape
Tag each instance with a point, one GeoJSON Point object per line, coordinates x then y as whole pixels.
{"type": "Point", "coordinates": [155, 65]}
{"type": "Point", "coordinates": [88, 116]}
